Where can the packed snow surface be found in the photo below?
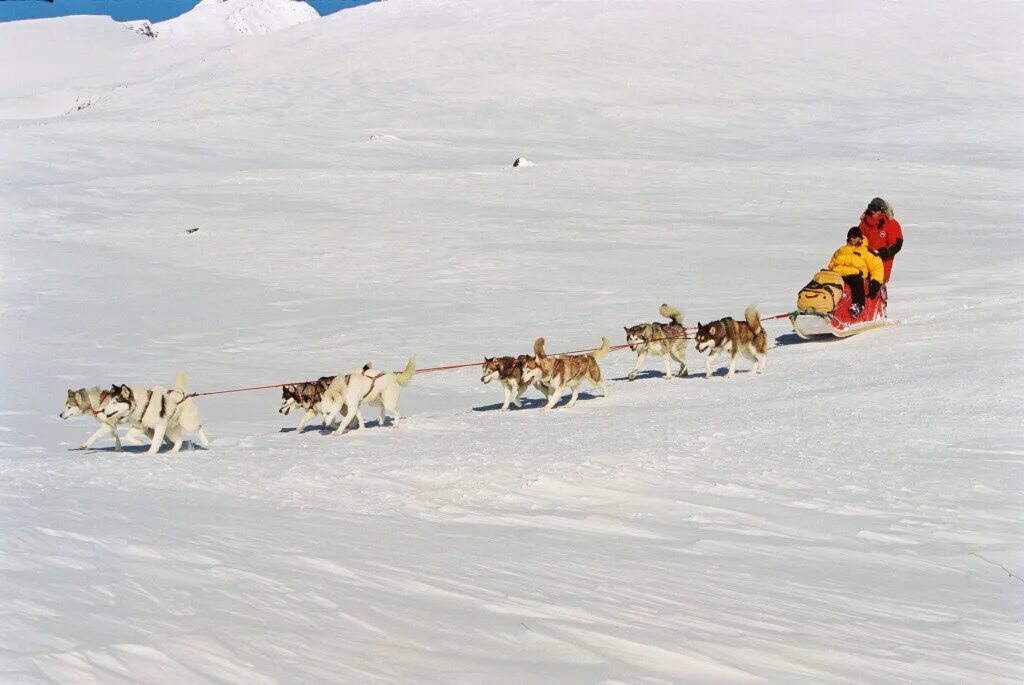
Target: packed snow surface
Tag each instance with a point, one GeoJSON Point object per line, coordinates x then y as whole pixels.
{"type": "Point", "coordinates": [851, 515]}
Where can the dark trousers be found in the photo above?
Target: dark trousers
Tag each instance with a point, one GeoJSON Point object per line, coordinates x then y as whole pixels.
{"type": "Point", "coordinates": [856, 282]}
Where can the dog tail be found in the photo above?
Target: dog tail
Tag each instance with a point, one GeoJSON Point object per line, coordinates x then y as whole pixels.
{"type": "Point", "coordinates": [672, 313]}
{"type": "Point", "coordinates": [753, 319]}
{"type": "Point", "coordinates": [538, 348]}
{"type": "Point", "coordinates": [406, 375]}
{"type": "Point", "coordinates": [181, 382]}
{"type": "Point", "coordinates": [602, 350]}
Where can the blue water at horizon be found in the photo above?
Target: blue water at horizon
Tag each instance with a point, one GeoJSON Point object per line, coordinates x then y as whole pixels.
{"type": "Point", "coordinates": [131, 10]}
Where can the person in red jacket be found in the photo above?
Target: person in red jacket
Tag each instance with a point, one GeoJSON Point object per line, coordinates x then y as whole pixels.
{"type": "Point", "coordinates": [882, 232]}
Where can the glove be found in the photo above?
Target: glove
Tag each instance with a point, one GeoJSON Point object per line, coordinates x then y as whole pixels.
{"type": "Point", "coordinates": [873, 288]}
{"type": "Point", "coordinates": [883, 252]}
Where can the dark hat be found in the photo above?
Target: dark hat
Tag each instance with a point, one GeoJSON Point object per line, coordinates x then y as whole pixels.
{"type": "Point", "coordinates": [877, 204]}
{"type": "Point", "coordinates": [854, 233]}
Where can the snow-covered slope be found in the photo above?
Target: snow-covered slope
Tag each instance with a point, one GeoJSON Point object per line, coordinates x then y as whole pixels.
{"type": "Point", "coordinates": [851, 515]}
{"type": "Point", "coordinates": [43, 51]}
{"type": "Point", "coordinates": [225, 18]}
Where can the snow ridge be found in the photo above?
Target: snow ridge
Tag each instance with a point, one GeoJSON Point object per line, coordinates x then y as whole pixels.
{"type": "Point", "coordinates": [227, 18]}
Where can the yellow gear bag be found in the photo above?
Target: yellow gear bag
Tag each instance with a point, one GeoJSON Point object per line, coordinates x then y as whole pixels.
{"type": "Point", "coordinates": [822, 294]}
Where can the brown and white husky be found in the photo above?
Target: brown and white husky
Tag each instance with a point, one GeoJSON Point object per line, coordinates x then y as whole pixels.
{"type": "Point", "coordinates": [509, 372]}
{"type": "Point", "coordinates": [553, 374]}
{"type": "Point", "coordinates": [734, 337]}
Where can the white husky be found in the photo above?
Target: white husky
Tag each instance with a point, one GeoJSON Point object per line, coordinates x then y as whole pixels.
{"type": "Point", "coordinates": [164, 413]}
{"type": "Point", "coordinates": [366, 385]}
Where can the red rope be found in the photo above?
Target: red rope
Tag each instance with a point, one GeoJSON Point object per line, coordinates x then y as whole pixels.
{"type": "Point", "coordinates": [449, 367]}
{"type": "Point", "coordinates": [446, 368]}
{"type": "Point", "coordinates": [255, 387]}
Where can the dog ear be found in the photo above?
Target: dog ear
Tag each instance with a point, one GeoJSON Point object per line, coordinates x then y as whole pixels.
{"type": "Point", "coordinates": [711, 330]}
{"type": "Point", "coordinates": [488, 359]}
{"type": "Point", "coordinates": [71, 393]}
{"type": "Point", "coordinates": [368, 366]}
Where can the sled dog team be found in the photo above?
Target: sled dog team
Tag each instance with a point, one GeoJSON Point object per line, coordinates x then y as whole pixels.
{"type": "Point", "coordinates": [165, 414]}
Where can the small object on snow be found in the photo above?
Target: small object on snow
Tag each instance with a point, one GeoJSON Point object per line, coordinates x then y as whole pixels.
{"type": "Point", "coordinates": [522, 161]}
{"type": "Point", "coordinates": [143, 28]}
{"type": "Point", "coordinates": [190, 230]}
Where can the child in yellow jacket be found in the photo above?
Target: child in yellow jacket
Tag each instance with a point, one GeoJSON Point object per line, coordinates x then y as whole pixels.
{"type": "Point", "coordinates": [855, 262]}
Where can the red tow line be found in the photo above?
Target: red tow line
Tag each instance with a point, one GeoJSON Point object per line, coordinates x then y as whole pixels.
{"type": "Point", "coordinates": [449, 367]}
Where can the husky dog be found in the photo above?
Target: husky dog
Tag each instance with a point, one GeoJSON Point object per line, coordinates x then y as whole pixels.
{"type": "Point", "coordinates": [666, 339]}
{"type": "Point", "coordinates": [305, 396]}
{"type": "Point", "coordinates": [735, 337]}
{"type": "Point", "coordinates": [376, 388]}
{"type": "Point", "coordinates": [106, 406]}
{"type": "Point", "coordinates": [163, 413]}
{"type": "Point", "coordinates": [509, 371]}
{"type": "Point", "coordinates": [553, 374]}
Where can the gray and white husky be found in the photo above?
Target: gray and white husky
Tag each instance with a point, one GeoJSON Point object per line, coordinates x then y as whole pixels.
{"type": "Point", "coordinates": [665, 339]}
{"type": "Point", "coordinates": [106, 406]}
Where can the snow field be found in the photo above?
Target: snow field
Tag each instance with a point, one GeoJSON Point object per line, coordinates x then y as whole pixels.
{"type": "Point", "coordinates": [849, 516]}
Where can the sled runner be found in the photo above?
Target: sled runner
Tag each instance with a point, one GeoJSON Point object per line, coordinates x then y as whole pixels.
{"type": "Point", "coordinates": [823, 309]}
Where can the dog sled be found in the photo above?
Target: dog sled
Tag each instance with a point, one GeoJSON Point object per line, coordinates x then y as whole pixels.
{"type": "Point", "coordinates": [823, 309]}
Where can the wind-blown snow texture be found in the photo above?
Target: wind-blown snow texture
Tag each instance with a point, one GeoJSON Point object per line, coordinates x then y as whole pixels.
{"type": "Point", "coordinates": [852, 515]}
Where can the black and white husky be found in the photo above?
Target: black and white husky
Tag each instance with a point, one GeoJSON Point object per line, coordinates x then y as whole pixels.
{"type": "Point", "coordinates": [665, 339]}
{"type": "Point", "coordinates": [306, 396]}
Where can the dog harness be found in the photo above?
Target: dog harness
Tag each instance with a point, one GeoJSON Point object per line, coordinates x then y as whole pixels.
{"type": "Point", "coordinates": [373, 381]}
{"type": "Point", "coordinates": [103, 398]}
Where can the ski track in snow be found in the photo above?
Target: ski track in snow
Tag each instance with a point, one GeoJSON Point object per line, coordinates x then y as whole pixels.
{"type": "Point", "coordinates": [852, 515]}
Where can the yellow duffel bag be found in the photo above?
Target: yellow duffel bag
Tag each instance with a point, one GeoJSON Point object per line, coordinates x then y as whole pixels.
{"type": "Point", "coordinates": [822, 294]}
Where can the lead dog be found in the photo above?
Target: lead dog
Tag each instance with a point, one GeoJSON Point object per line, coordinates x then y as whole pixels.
{"type": "Point", "coordinates": [106, 407]}
{"type": "Point", "coordinates": [553, 374]}
{"type": "Point", "coordinates": [509, 371]}
{"type": "Point", "coordinates": [735, 337]}
{"type": "Point", "coordinates": [365, 385]}
{"type": "Point", "coordinates": [666, 339]}
{"type": "Point", "coordinates": [155, 412]}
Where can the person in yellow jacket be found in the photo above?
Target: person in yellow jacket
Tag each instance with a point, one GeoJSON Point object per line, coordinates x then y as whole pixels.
{"type": "Point", "coordinates": [855, 262]}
